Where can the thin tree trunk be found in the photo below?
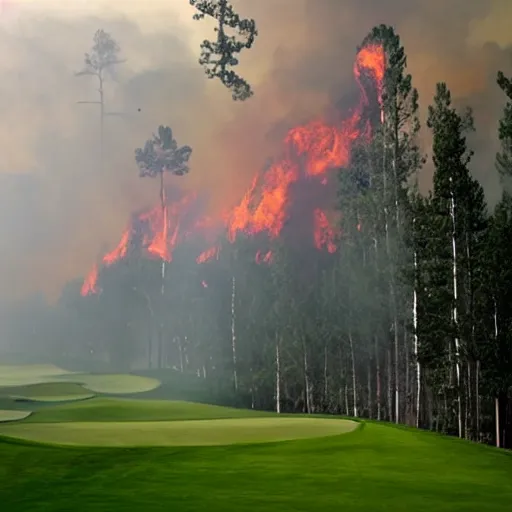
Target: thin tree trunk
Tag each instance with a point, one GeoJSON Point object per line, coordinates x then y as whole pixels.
{"type": "Point", "coordinates": [162, 284]}
{"type": "Point", "coordinates": [370, 390]}
{"type": "Point", "coordinates": [378, 378]}
{"type": "Point", "coordinates": [497, 416]}
{"type": "Point", "coordinates": [455, 309]}
{"type": "Point", "coordinates": [233, 331]}
{"type": "Point", "coordinates": [354, 389]}
{"type": "Point", "coordinates": [477, 393]}
{"type": "Point", "coordinates": [325, 376]}
{"type": "Point", "coordinates": [415, 328]}
{"type": "Point", "coordinates": [306, 380]}
{"type": "Point", "coordinates": [278, 377]}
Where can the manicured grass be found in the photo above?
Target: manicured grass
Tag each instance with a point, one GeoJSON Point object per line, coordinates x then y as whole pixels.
{"type": "Point", "coordinates": [378, 468]}
{"type": "Point", "coordinates": [22, 375]}
{"type": "Point", "coordinates": [118, 409]}
{"type": "Point", "coordinates": [113, 383]}
{"type": "Point", "coordinates": [47, 392]}
{"type": "Point", "coordinates": [178, 433]}
{"type": "Point", "coordinates": [12, 415]}
{"type": "Point", "coordinates": [25, 375]}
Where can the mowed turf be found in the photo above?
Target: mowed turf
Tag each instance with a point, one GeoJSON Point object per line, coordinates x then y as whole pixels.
{"type": "Point", "coordinates": [11, 415]}
{"type": "Point", "coordinates": [117, 422]}
{"type": "Point", "coordinates": [178, 433]}
{"type": "Point", "coordinates": [118, 409]}
{"type": "Point", "coordinates": [47, 392]}
{"type": "Point", "coordinates": [376, 468]}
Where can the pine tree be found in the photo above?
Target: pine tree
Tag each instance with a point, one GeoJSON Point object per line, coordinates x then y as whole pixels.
{"type": "Point", "coordinates": [218, 57]}
{"type": "Point", "coordinates": [451, 178]}
{"type": "Point", "coordinates": [396, 134]}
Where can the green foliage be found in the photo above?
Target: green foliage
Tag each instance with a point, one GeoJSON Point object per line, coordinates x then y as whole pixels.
{"type": "Point", "coordinates": [218, 57]}
{"type": "Point", "coordinates": [162, 154]}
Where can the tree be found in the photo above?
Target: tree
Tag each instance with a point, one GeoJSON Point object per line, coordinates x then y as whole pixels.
{"type": "Point", "coordinates": [161, 154]}
{"type": "Point", "coordinates": [103, 57]}
{"type": "Point", "coordinates": [451, 181]}
{"type": "Point", "coordinates": [218, 57]}
{"type": "Point", "coordinates": [395, 158]}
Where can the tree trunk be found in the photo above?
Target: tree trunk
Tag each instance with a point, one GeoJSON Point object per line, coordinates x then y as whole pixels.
{"type": "Point", "coordinates": [455, 309]}
{"type": "Point", "coordinates": [370, 390]}
{"type": "Point", "coordinates": [497, 421]}
{"type": "Point", "coordinates": [306, 380]}
{"type": "Point", "coordinates": [378, 378]}
{"type": "Point", "coordinates": [354, 389]}
{"type": "Point", "coordinates": [390, 391]}
{"type": "Point", "coordinates": [477, 397]}
{"type": "Point", "coordinates": [278, 377]}
{"type": "Point", "coordinates": [325, 377]}
{"type": "Point", "coordinates": [233, 331]}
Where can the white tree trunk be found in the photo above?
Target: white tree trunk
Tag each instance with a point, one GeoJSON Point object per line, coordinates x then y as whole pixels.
{"type": "Point", "coordinates": [278, 377]}
{"type": "Point", "coordinates": [233, 331]}
{"type": "Point", "coordinates": [306, 381]}
{"type": "Point", "coordinates": [415, 329]}
{"type": "Point", "coordinates": [354, 389]}
{"type": "Point", "coordinates": [455, 308]}
{"type": "Point", "coordinates": [378, 379]}
{"type": "Point", "coordinates": [496, 400]}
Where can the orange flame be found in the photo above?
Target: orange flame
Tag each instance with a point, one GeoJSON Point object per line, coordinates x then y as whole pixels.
{"type": "Point", "coordinates": [324, 233]}
{"type": "Point", "coordinates": [309, 150]}
{"type": "Point", "coordinates": [212, 252]}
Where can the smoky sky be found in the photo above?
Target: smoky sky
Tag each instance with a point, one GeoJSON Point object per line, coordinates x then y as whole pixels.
{"type": "Point", "coordinates": [59, 210]}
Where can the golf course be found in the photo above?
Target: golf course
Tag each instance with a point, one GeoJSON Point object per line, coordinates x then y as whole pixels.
{"type": "Point", "coordinates": [76, 441]}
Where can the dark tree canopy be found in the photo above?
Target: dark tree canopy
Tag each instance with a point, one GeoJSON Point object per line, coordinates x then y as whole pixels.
{"type": "Point", "coordinates": [162, 154]}
{"type": "Point", "coordinates": [218, 57]}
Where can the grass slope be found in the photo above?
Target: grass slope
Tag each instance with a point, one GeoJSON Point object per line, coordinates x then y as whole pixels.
{"type": "Point", "coordinates": [113, 383]}
{"type": "Point", "coordinates": [377, 468]}
{"type": "Point", "coordinates": [118, 409]}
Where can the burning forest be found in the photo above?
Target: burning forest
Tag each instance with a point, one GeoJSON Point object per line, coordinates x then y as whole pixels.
{"type": "Point", "coordinates": [309, 153]}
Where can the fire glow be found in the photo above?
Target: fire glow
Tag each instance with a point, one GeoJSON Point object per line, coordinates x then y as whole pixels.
{"type": "Point", "coordinates": [309, 152]}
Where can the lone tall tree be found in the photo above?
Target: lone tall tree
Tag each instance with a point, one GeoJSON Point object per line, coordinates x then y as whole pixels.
{"type": "Point", "coordinates": [103, 57]}
{"type": "Point", "coordinates": [161, 155]}
{"type": "Point", "coordinates": [218, 57]}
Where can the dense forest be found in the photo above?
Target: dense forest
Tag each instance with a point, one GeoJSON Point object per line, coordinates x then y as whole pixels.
{"type": "Point", "coordinates": [335, 286]}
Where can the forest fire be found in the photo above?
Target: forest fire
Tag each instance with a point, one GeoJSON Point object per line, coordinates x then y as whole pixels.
{"type": "Point", "coordinates": [309, 152]}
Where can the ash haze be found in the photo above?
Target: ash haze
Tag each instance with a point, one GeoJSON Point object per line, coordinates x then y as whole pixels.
{"type": "Point", "coordinates": [59, 212]}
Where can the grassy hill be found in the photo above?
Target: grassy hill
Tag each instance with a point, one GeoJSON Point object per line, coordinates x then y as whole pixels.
{"type": "Point", "coordinates": [376, 467]}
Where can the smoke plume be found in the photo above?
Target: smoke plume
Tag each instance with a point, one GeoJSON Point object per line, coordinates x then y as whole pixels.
{"type": "Point", "coordinates": [59, 211]}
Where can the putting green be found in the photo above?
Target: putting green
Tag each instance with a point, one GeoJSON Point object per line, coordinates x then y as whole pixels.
{"type": "Point", "coordinates": [178, 433]}
{"type": "Point", "coordinates": [47, 392]}
{"type": "Point", "coordinates": [13, 415]}
{"type": "Point", "coordinates": [22, 375]}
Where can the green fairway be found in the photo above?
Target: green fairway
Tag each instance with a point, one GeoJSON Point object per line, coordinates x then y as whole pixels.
{"type": "Point", "coordinates": [377, 468]}
{"type": "Point", "coordinates": [177, 433]}
{"type": "Point", "coordinates": [117, 409]}
{"type": "Point", "coordinates": [113, 383]}
{"type": "Point", "coordinates": [12, 375]}
{"type": "Point", "coordinates": [12, 415]}
{"type": "Point", "coordinates": [47, 392]}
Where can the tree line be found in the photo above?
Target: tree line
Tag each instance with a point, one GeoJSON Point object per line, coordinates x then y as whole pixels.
{"type": "Point", "coordinates": [410, 321]}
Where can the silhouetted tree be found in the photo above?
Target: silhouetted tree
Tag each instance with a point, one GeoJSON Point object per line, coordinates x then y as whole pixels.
{"type": "Point", "coordinates": [103, 57]}
{"type": "Point", "coordinates": [218, 57]}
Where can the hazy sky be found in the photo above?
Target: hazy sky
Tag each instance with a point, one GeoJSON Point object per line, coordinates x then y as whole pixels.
{"type": "Point", "coordinates": [55, 222]}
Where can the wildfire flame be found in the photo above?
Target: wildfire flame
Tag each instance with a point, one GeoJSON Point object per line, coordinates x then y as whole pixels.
{"type": "Point", "coordinates": [309, 151]}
